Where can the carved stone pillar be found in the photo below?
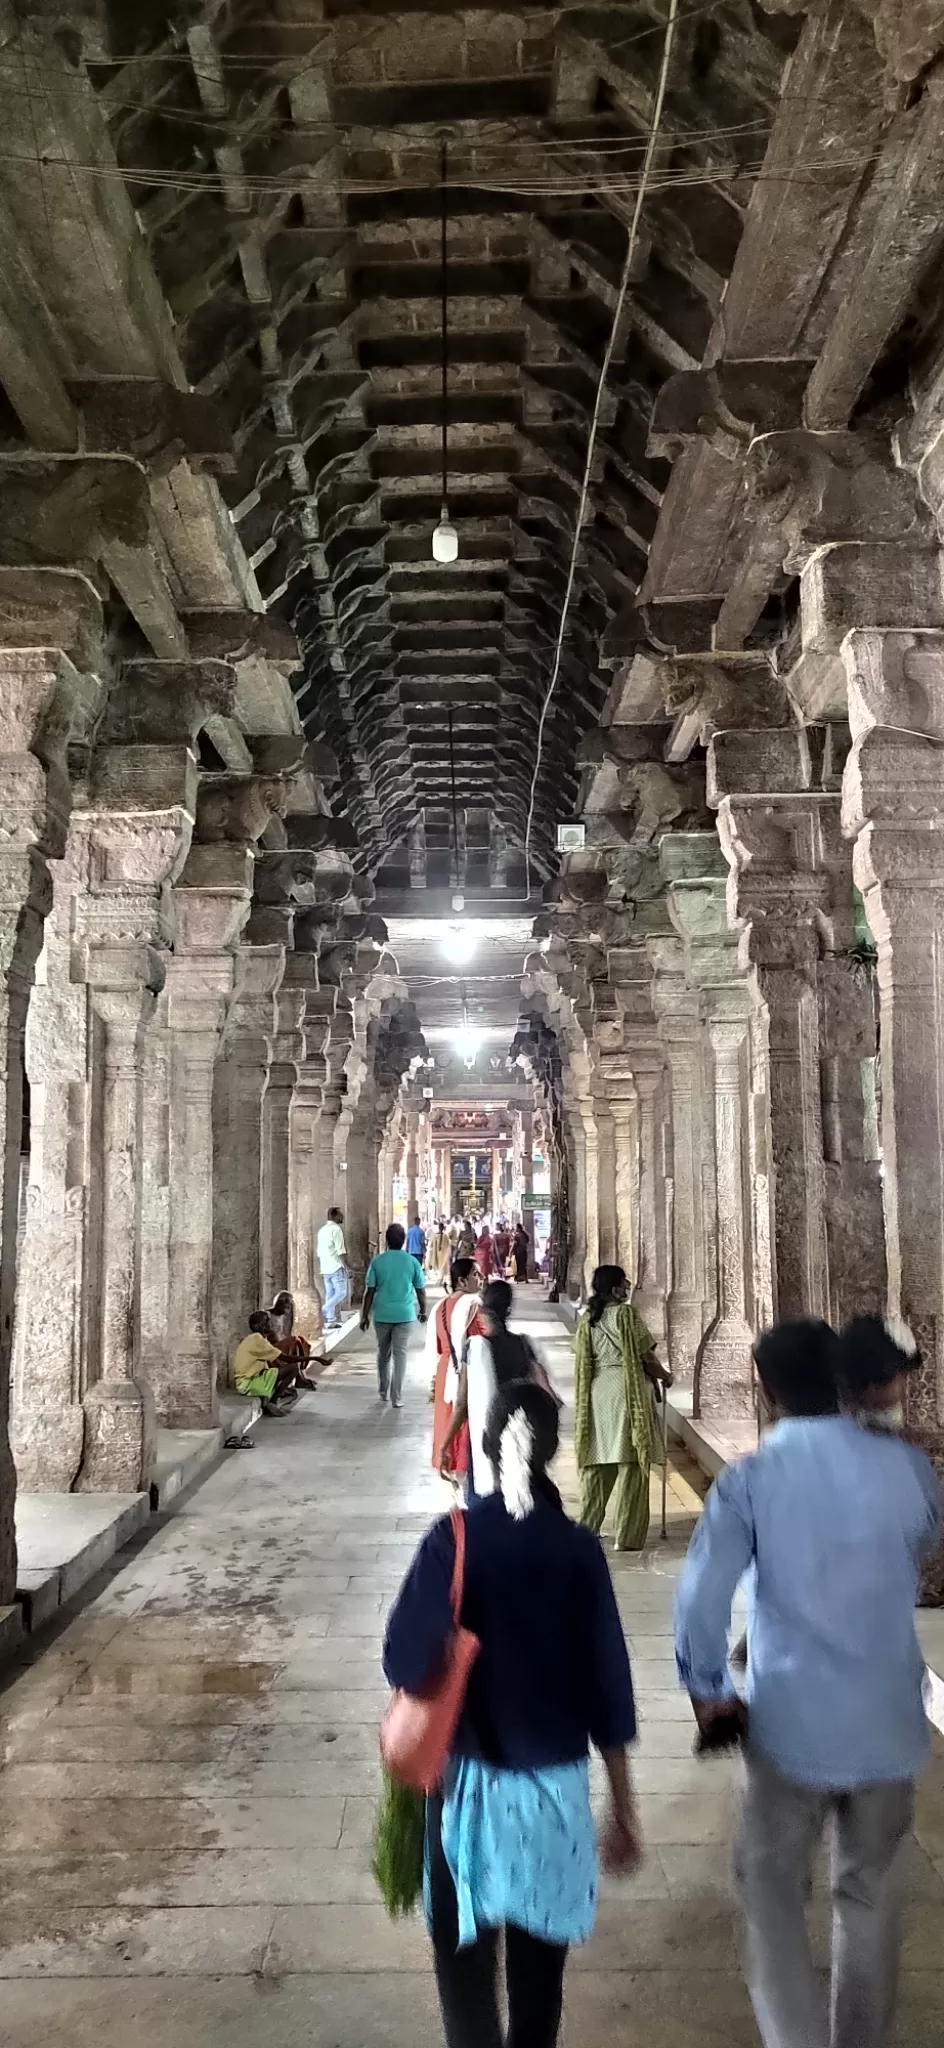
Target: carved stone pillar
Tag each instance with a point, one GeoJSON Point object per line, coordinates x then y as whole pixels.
{"type": "Point", "coordinates": [141, 802]}
{"type": "Point", "coordinates": [608, 1238]}
{"type": "Point", "coordinates": [238, 1088]}
{"type": "Point", "coordinates": [212, 903]}
{"type": "Point", "coordinates": [412, 1165]}
{"type": "Point", "coordinates": [894, 809]}
{"type": "Point", "coordinates": [155, 1197]}
{"type": "Point", "coordinates": [50, 1342]}
{"type": "Point", "coordinates": [723, 1380]}
{"type": "Point", "coordinates": [681, 1029]}
{"type": "Point", "coordinates": [624, 1112]}
{"type": "Point", "coordinates": [305, 1219]}
{"type": "Point", "coordinates": [646, 1159]}
{"type": "Point", "coordinates": [791, 892]}
{"type": "Point", "coordinates": [287, 1050]}
{"type": "Point", "coordinates": [40, 691]}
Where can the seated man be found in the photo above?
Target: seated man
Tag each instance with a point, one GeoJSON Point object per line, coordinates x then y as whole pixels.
{"type": "Point", "coordinates": [260, 1368]}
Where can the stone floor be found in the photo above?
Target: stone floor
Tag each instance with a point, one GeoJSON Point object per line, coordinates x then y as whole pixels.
{"type": "Point", "coordinates": [189, 1769]}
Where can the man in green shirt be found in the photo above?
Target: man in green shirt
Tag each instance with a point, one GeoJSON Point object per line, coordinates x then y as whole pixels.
{"type": "Point", "coordinates": [396, 1293]}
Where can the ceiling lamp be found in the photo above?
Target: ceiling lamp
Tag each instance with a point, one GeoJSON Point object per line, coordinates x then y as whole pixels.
{"type": "Point", "coordinates": [445, 537]}
{"type": "Point", "coordinates": [459, 943]}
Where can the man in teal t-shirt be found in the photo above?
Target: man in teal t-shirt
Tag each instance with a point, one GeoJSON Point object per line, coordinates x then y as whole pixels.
{"type": "Point", "coordinates": [395, 1292]}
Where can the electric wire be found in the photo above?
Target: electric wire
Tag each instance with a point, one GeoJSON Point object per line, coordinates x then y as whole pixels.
{"type": "Point", "coordinates": [595, 420]}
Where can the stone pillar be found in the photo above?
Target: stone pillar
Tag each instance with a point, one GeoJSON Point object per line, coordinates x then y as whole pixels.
{"type": "Point", "coordinates": [681, 1031]}
{"type": "Point", "coordinates": [238, 1088]}
{"type": "Point", "coordinates": [360, 1203]}
{"type": "Point", "coordinates": [211, 903]}
{"type": "Point", "coordinates": [723, 1384]}
{"type": "Point", "coordinates": [893, 808]}
{"type": "Point", "coordinates": [287, 1049]}
{"type": "Point", "coordinates": [412, 1165]}
{"type": "Point", "coordinates": [305, 1219]}
{"type": "Point", "coordinates": [606, 1181]}
{"type": "Point", "coordinates": [527, 1178]}
{"type": "Point", "coordinates": [50, 1340]}
{"type": "Point", "coordinates": [155, 1197]}
{"type": "Point", "coordinates": [141, 801]}
{"type": "Point", "coordinates": [791, 893]}
{"type": "Point", "coordinates": [40, 691]}
{"type": "Point", "coordinates": [625, 1119]}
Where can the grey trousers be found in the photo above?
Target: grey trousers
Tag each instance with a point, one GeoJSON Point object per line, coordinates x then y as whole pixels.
{"type": "Point", "coordinates": [780, 1828]}
{"type": "Point", "coordinates": [395, 1338]}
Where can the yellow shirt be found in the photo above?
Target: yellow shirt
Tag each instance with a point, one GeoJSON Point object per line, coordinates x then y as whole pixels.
{"type": "Point", "coordinates": [254, 1352]}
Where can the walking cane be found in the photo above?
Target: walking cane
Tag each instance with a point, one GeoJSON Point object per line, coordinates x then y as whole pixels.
{"type": "Point", "coordinates": [665, 1459]}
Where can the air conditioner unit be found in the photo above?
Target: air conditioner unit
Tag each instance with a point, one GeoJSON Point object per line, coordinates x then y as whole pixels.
{"type": "Point", "coordinates": [571, 838]}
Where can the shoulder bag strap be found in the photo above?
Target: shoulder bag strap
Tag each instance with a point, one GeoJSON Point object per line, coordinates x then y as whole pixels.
{"type": "Point", "coordinates": [457, 1519]}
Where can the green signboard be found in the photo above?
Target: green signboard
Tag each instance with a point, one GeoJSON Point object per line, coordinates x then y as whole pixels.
{"type": "Point", "coordinates": [535, 1201]}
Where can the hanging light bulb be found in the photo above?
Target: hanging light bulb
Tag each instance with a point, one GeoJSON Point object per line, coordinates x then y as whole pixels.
{"type": "Point", "coordinates": [445, 539]}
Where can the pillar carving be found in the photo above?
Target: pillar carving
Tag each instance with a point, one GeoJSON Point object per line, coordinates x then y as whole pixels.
{"type": "Point", "coordinates": [791, 891]}
{"type": "Point", "coordinates": [43, 698]}
{"type": "Point", "coordinates": [305, 1219]}
{"type": "Point", "coordinates": [141, 803]}
{"type": "Point", "coordinates": [238, 1088]}
{"type": "Point", "coordinates": [894, 812]}
{"type": "Point", "coordinates": [288, 1047]}
{"type": "Point", "coordinates": [211, 904]}
{"type": "Point", "coordinates": [681, 1029]}
{"type": "Point", "coordinates": [723, 1379]}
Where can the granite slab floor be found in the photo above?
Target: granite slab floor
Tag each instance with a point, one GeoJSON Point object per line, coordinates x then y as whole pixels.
{"type": "Point", "coordinates": [188, 1776]}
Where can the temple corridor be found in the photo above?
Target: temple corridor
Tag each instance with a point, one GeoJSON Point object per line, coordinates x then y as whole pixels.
{"type": "Point", "coordinates": [189, 1774]}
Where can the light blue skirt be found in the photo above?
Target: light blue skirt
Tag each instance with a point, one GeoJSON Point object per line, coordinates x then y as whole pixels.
{"type": "Point", "coordinates": [521, 1848]}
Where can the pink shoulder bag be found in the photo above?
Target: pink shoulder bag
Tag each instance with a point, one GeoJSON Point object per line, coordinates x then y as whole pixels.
{"type": "Point", "coordinates": [417, 1729]}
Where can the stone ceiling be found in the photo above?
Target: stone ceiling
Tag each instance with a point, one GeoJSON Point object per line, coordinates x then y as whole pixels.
{"type": "Point", "coordinates": [285, 165]}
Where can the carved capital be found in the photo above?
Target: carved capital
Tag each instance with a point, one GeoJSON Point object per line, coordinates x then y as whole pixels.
{"type": "Point", "coordinates": [239, 636]}
{"type": "Point", "coordinates": [58, 609]}
{"type": "Point", "coordinates": [68, 509]}
{"type": "Point", "coordinates": [236, 808]}
{"type": "Point", "coordinates": [157, 423]}
{"type": "Point", "coordinates": [160, 702]}
{"type": "Point", "coordinates": [817, 489]}
{"type": "Point", "coordinates": [727, 404]}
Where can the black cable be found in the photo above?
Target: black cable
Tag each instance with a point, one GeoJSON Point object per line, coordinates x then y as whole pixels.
{"type": "Point", "coordinates": [445, 335]}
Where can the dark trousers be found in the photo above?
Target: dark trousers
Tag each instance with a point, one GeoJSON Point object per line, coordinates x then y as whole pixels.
{"type": "Point", "coordinates": [467, 1978]}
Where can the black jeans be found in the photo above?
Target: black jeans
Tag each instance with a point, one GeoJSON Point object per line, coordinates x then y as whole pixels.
{"type": "Point", "coordinates": [467, 1978]}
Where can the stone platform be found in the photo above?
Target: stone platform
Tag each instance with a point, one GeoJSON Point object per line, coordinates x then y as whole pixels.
{"type": "Point", "coordinates": [63, 1540]}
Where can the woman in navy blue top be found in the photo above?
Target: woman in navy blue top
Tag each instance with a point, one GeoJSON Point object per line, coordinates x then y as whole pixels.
{"type": "Point", "coordinates": [510, 1842]}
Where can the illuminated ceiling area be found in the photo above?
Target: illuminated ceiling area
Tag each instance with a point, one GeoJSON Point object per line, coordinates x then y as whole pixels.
{"type": "Point", "coordinates": [464, 978]}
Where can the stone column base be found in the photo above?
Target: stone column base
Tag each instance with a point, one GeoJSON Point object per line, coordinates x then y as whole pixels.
{"type": "Point", "coordinates": [182, 1387]}
{"type": "Point", "coordinates": [120, 1438]}
{"type": "Point", "coordinates": [309, 1315]}
{"type": "Point", "coordinates": [47, 1446]}
{"type": "Point", "coordinates": [723, 1375]}
{"type": "Point", "coordinates": [685, 1327]}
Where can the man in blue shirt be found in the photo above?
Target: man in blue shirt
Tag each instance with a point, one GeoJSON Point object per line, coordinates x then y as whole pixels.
{"type": "Point", "coordinates": [416, 1240]}
{"type": "Point", "coordinates": [833, 1515]}
{"type": "Point", "coordinates": [395, 1293]}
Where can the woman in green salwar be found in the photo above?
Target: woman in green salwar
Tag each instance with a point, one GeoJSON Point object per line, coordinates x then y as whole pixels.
{"type": "Point", "coordinates": [616, 1369]}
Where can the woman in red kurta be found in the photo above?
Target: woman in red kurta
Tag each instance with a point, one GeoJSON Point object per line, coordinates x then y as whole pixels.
{"type": "Point", "coordinates": [448, 1329]}
{"type": "Point", "coordinates": [484, 1253]}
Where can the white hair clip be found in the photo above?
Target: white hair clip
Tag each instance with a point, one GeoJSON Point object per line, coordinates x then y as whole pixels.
{"type": "Point", "coordinates": [899, 1334]}
{"type": "Point", "coordinates": [514, 1465]}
